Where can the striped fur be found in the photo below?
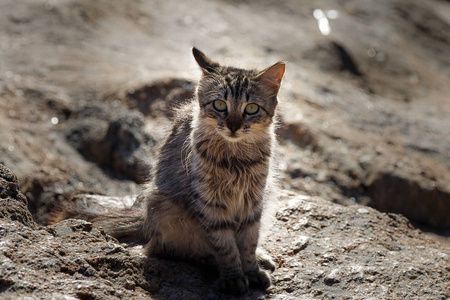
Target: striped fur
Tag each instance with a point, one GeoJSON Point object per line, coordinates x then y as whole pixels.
{"type": "Point", "coordinates": [213, 176]}
{"type": "Point", "coordinates": [214, 172]}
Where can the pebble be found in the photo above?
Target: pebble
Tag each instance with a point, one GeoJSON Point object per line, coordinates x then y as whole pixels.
{"type": "Point", "coordinates": [300, 243]}
{"type": "Point", "coordinates": [286, 277]}
{"type": "Point", "coordinates": [332, 278]}
{"type": "Point", "coordinates": [363, 210]}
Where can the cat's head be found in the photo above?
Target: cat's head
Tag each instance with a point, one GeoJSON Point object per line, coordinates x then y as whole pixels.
{"type": "Point", "coordinates": [238, 104]}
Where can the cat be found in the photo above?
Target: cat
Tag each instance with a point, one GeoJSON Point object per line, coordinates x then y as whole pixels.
{"type": "Point", "coordinates": [214, 173]}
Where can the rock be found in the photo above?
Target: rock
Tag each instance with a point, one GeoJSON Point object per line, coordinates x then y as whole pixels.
{"type": "Point", "coordinates": [393, 180]}
{"type": "Point", "coordinates": [332, 278]}
{"type": "Point", "coordinates": [13, 204]}
{"type": "Point", "coordinates": [332, 56]}
{"type": "Point", "coordinates": [71, 259]}
{"type": "Point", "coordinates": [350, 251]}
{"type": "Point", "coordinates": [364, 116]}
{"type": "Point", "coordinates": [114, 140]}
{"type": "Point", "coordinates": [158, 98]}
{"type": "Point", "coordinates": [355, 252]}
{"type": "Point", "coordinates": [394, 192]}
{"type": "Point", "coordinates": [299, 243]}
{"type": "Point", "coordinates": [299, 134]}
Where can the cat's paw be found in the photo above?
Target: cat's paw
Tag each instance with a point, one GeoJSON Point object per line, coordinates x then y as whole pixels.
{"type": "Point", "coordinates": [265, 261]}
{"type": "Point", "coordinates": [234, 286]}
{"type": "Point", "coordinates": [259, 279]}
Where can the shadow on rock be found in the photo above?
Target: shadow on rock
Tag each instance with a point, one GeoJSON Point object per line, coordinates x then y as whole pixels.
{"type": "Point", "coordinates": [158, 98]}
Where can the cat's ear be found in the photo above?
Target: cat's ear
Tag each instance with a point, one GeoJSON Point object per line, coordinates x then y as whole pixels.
{"type": "Point", "coordinates": [206, 64]}
{"type": "Point", "coordinates": [271, 77]}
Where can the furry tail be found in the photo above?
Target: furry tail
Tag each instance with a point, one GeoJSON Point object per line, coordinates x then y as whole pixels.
{"type": "Point", "coordinates": [125, 224]}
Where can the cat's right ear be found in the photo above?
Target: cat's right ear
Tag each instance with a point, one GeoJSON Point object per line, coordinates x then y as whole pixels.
{"type": "Point", "coordinates": [206, 64]}
{"type": "Point", "coordinates": [271, 77]}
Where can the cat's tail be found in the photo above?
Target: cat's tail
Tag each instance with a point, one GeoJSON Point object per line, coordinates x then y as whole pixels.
{"type": "Point", "coordinates": [125, 224]}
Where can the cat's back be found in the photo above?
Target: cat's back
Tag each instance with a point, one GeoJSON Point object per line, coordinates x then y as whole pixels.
{"type": "Point", "coordinates": [173, 161]}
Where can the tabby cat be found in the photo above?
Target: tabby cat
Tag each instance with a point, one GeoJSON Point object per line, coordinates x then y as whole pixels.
{"type": "Point", "coordinates": [213, 176]}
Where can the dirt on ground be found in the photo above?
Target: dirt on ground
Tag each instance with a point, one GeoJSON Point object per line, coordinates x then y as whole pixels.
{"type": "Point", "coordinates": [86, 91]}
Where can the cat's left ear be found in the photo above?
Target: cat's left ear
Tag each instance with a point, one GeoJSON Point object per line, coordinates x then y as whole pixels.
{"type": "Point", "coordinates": [206, 64]}
{"type": "Point", "coordinates": [271, 77]}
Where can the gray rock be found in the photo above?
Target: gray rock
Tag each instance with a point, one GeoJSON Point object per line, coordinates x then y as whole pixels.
{"type": "Point", "coordinates": [339, 252]}
{"type": "Point", "coordinates": [115, 140]}
{"type": "Point", "coordinates": [13, 204]}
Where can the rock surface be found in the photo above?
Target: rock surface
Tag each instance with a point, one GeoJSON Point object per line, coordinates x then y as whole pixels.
{"type": "Point", "coordinates": [13, 202]}
{"type": "Point", "coordinates": [322, 250]}
{"type": "Point", "coordinates": [87, 90]}
{"type": "Point", "coordinates": [363, 109]}
{"type": "Point", "coordinates": [331, 251]}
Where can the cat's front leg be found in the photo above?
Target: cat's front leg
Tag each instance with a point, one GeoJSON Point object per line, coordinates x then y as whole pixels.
{"type": "Point", "coordinates": [247, 241]}
{"type": "Point", "coordinates": [232, 279]}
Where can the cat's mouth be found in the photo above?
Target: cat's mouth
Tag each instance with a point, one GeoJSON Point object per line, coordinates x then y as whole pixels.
{"type": "Point", "coordinates": [232, 136]}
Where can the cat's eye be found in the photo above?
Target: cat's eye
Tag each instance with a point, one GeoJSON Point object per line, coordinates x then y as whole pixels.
{"type": "Point", "coordinates": [220, 105]}
{"type": "Point", "coordinates": [251, 109]}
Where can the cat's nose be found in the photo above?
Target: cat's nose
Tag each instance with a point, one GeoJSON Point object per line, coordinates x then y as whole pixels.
{"type": "Point", "coordinates": [234, 123]}
{"type": "Point", "coordinates": [233, 127]}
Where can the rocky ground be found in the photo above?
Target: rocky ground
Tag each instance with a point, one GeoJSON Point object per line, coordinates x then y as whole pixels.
{"type": "Point", "coordinates": [322, 250]}
{"type": "Point", "coordinates": [85, 95]}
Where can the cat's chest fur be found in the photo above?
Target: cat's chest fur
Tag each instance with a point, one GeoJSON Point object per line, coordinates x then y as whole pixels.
{"type": "Point", "coordinates": [230, 176]}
